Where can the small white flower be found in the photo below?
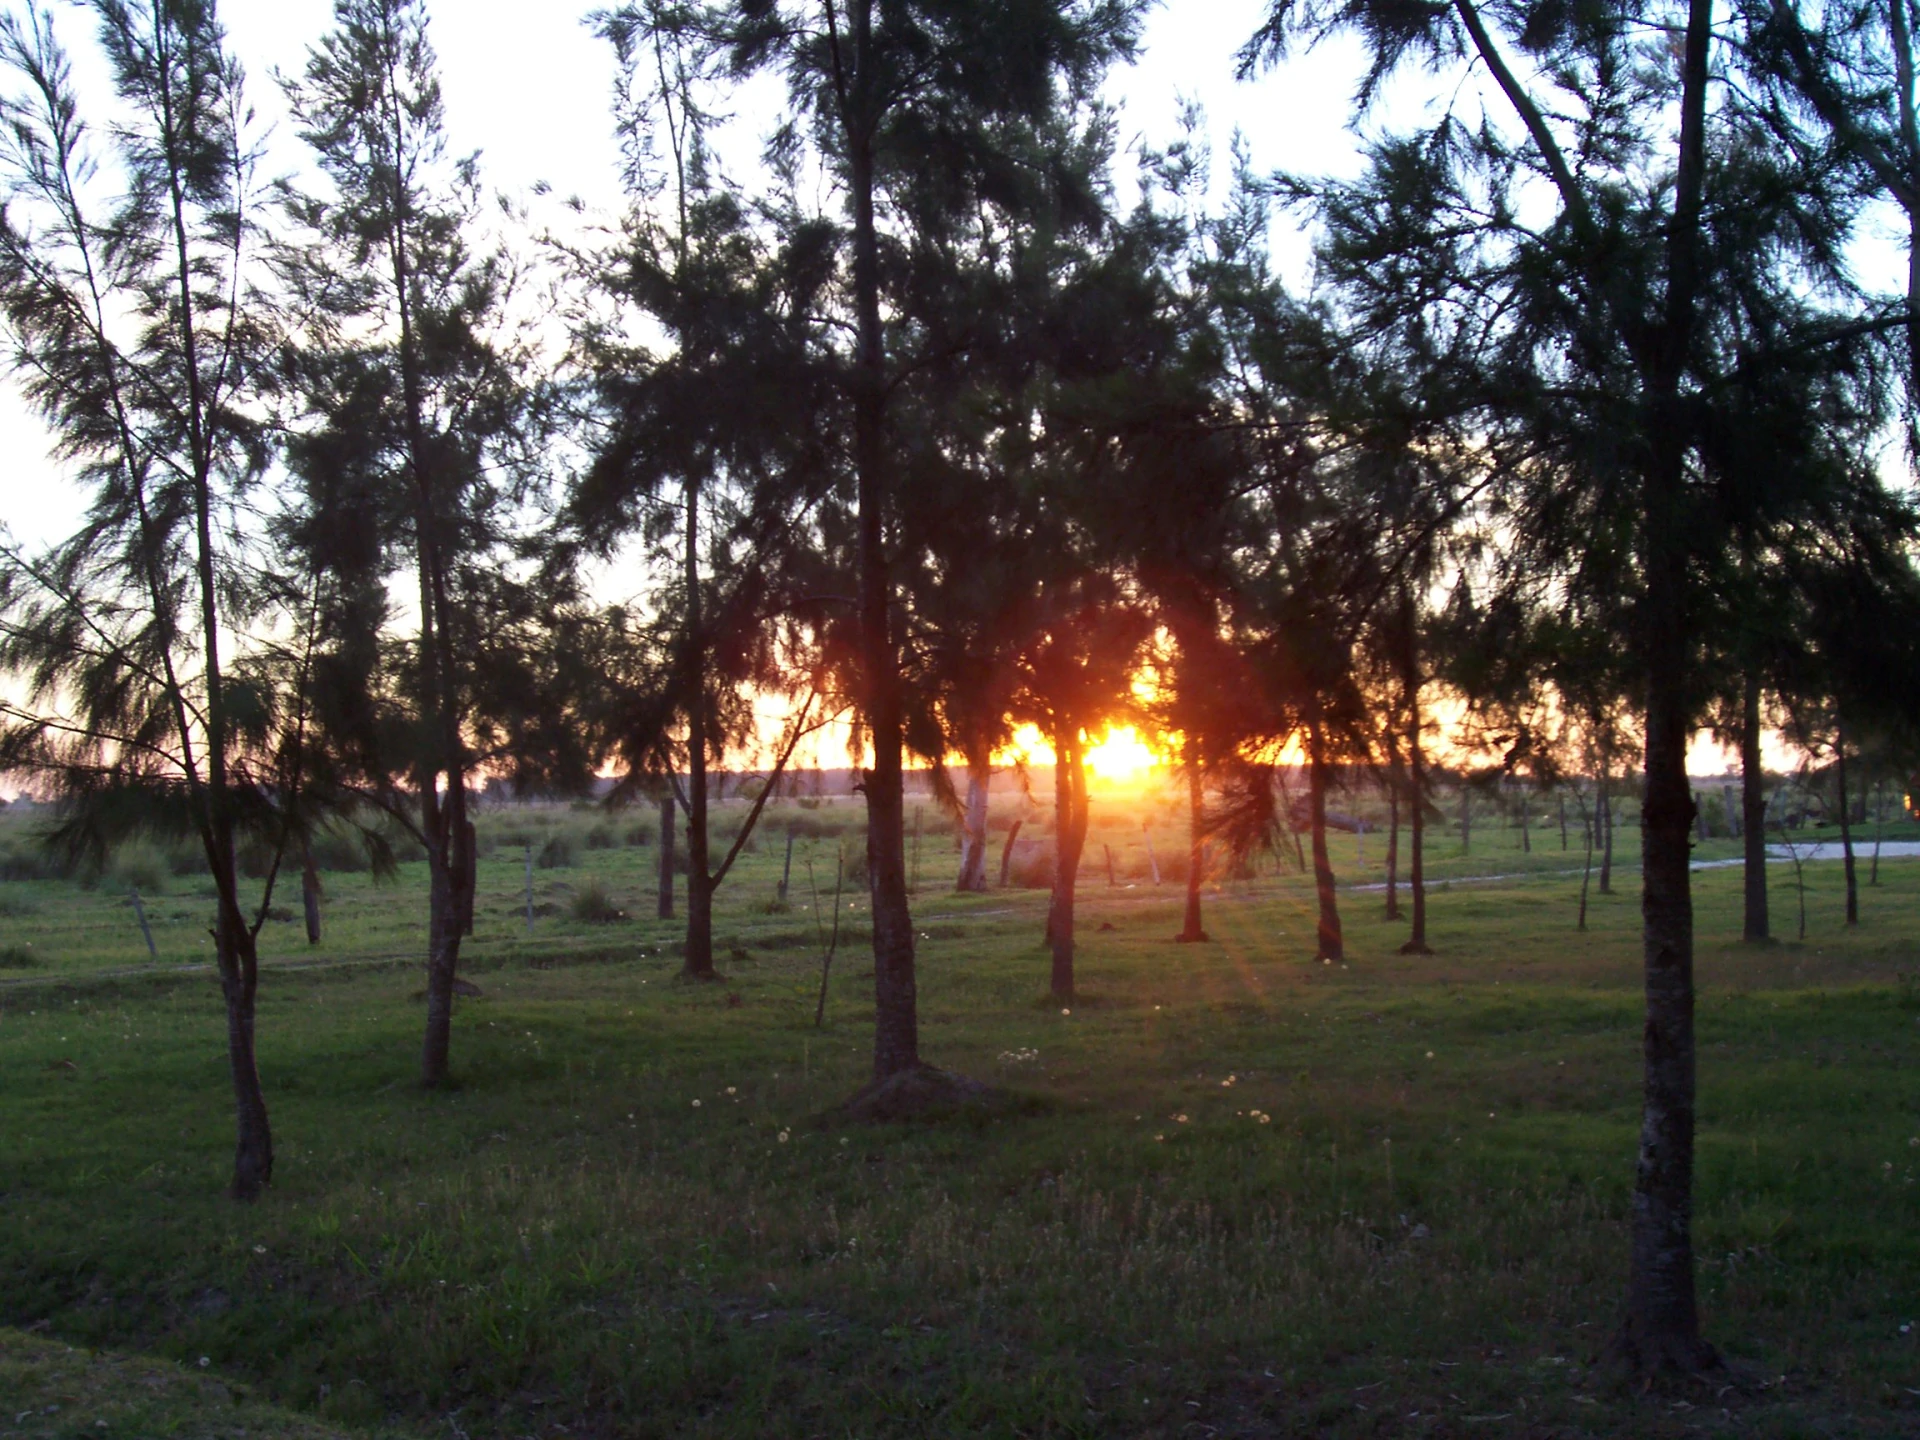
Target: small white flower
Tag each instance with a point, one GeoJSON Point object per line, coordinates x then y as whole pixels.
{"type": "Point", "coordinates": [259, 1249]}
{"type": "Point", "coordinates": [1429, 1054]}
{"type": "Point", "coordinates": [204, 1362]}
{"type": "Point", "coordinates": [783, 1137]}
{"type": "Point", "coordinates": [1066, 1012]}
{"type": "Point", "coordinates": [732, 1091]}
{"type": "Point", "coordinates": [696, 1104]}
{"type": "Point", "coordinates": [1265, 1119]}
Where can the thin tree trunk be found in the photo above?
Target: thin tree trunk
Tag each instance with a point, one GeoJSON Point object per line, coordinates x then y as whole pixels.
{"type": "Point", "coordinates": [1846, 823]}
{"type": "Point", "coordinates": [973, 846]}
{"type": "Point", "coordinates": [1069, 838]}
{"type": "Point", "coordinates": [1416, 943]}
{"type": "Point", "coordinates": [1753, 815]}
{"type": "Point", "coordinates": [1006, 852]}
{"type": "Point", "coordinates": [1526, 832]}
{"type": "Point", "coordinates": [239, 983]}
{"type": "Point", "coordinates": [445, 921]}
{"type": "Point", "coordinates": [310, 894]}
{"type": "Point", "coordinates": [1191, 931]}
{"type": "Point", "coordinates": [698, 961]}
{"type": "Point", "coordinates": [896, 1036]}
{"type": "Point", "coordinates": [1466, 817]}
{"type": "Point", "coordinates": [1563, 822]}
{"type": "Point", "coordinates": [1329, 945]}
{"type": "Point", "coordinates": [1605, 820]}
{"type": "Point", "coordinates": [1586, 874]}
{"type": "Point", "coordinates": [1393, 850]}
{"type": "Point", "coordinates": [667, 827]}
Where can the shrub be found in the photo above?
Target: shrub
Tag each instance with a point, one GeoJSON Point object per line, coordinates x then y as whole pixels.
{"type": "Point", "coordinates": [138, 867]}
{"type": "Point", "coordinates": [18, 957]}
{"type": "Point", "coordinates": [600, 837]}
{"type": "Point", "coordinates": [640, 834]}
{"type": "Point", "coordinates": [557, 853]}
{"type": "Point", "coordinates": [592, 905]}
{"type": "Point", "coordinates": [342, 852]}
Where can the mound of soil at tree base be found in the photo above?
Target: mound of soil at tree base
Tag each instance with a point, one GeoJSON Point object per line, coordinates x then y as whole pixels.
{"type": "Point", "coordinates": [921, 1093]}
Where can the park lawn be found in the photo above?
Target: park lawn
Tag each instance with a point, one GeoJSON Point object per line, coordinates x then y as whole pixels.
{"type": "Point", "coordinates": [54, 1391]}
{"type": "Point", "coordinates": [1243, 1193]}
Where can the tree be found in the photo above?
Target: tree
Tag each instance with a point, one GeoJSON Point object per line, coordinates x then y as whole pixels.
{"type": "Point", "coordinates": [903, 105]}
{"type": "Point", "coordinates": [714, 448]}
{"type": "Point", "coordinates": [163, 690]}
{"type": "Point", "coordinates": [1619, 339]}
{"type": "Point", "coordinates": [406, 449]}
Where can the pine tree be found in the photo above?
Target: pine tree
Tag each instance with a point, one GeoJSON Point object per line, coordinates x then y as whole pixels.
{"type": "Point", "coordinates": [407, 452]}
{"type": "Point", "coordinates": [161, 691]}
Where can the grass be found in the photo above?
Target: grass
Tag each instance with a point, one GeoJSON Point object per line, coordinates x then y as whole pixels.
{"type": "Point", "coordinates": [1249, 1194]}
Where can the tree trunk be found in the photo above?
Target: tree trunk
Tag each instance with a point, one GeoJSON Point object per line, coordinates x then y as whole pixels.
{"type": "Point", "coordinates": [1604, 818]}
{"type": "Point", "coordinates": [896, 1035]}
{"type": "Point", "coordinates": [1191, 931]}
{"type": "Point", "coordinates": [1393, 850]}
{"type": "Point", "coordinates": [1662, 1329]}
{"type": "Point", "coordinates": [667, 827]}
{"type": "Point", "coordinates": [1586, 873]}
{"type": "Point", "coordinates": [1846, 823]}
{"type": "Point", "coordinates": [973, 846]}
{"type": "Point", "coordinates": [448, 905]}
{"type": "Point", "coordinates": [310, 893]}
{"type": "Point", "coordinates": [1563, 822]}
{"type": "Point", "coordinates": [443, 960]}
{"type": "Point", "coordinates": [1526, 823]}
{"type": "Point", "coordinates": [239, 982]}
{"type": "Point", "coordinates": [1753, 815]}
{"type": "Point", "coordinates": [1329, 945]}
{"type": "Point", "coordinates": [697, 963]}
{"type": "Point", "coordinates": [1006, 852]}
{"type": "Point", "coordinates": [1069, 839]}
{"type": "Point", "coordinates": [1466, 817]}
{"type": "Point", "coordinates": [1416, 943]}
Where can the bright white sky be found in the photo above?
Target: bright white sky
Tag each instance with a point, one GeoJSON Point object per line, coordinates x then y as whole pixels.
{"type": "Point", "coordinates": [529, 86]}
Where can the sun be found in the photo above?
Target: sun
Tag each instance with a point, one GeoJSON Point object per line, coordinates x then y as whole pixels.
{"type": "Point", "coordinates": [1121, 756]}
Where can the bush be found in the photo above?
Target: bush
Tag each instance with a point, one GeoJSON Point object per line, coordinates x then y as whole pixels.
{"type": "Point", "coordinates": [138, 867]}
{"type": "Point", "coordinates": [592, 905]}
{"type": "Point", "coordinates": [600, 837]}
{"type": "Point", "coordinates": [557, 853]}
{"type": "Point", "coordinates": [341, 852]}
{"type": "Point", "coordinates": [18, 957]}
{"type": "Point", "coordinates": [640, 835]}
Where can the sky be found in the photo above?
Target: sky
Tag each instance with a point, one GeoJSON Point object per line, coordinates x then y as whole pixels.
{"type": "Point", "coordinates": [529, 88]}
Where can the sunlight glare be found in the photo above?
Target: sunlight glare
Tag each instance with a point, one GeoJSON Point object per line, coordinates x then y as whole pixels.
{"type": "Point", "coordinates": [1122, 756]}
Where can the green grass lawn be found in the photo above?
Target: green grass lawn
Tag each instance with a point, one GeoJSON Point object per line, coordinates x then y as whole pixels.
{"type": "Point", "coordinates": [1247, 1195]}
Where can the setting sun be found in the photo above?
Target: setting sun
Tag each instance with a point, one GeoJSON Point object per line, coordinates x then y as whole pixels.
{"type": "Point", "coordinates": [1122, 756]}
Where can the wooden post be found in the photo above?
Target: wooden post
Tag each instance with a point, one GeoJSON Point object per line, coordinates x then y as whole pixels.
{"type": "Point", "coordinates": [1110, 879]}
{"type": "Point", "coordinates": [1152, 860]}
{"type": "Point", "coordinates": [310, 899]}
{"type": "Point", "coordinates": [786, 872]}
{"type": "Point", "coordinates": [529, 888]}
{"type": "Point", "coordinates": [140, 914]}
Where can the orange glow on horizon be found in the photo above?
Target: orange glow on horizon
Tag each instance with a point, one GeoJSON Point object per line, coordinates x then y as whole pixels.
{"type": "Point", "coordinates": [1119, 757]}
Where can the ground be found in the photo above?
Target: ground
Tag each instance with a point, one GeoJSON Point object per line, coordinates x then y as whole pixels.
{"type": "Point", "coordinates": [1238, 1193]}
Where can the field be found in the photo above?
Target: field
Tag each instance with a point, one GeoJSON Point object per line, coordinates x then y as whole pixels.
{"type": "Point", "coordinates": [1238, 1193]}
